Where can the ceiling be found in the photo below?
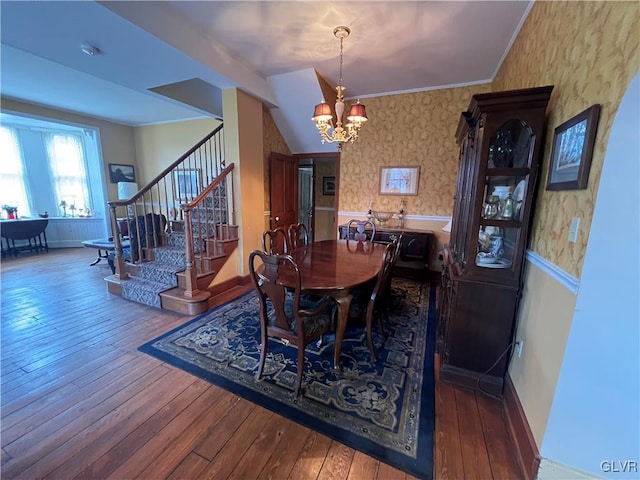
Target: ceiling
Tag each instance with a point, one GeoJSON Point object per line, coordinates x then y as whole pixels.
{"type": "Point", "coordinates": [169, 61]}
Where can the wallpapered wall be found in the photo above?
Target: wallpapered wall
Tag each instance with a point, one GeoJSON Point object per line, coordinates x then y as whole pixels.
{"type": "Point", "coordinates": [408, 129]}
{"type": "Point", "coordinates": [272, 142]}
{"type": "Point", "coordinates": [588, 52]}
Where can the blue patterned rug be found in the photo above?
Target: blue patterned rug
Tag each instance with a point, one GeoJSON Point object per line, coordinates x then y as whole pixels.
{"type": "Point", "coordinates": [384, 409]}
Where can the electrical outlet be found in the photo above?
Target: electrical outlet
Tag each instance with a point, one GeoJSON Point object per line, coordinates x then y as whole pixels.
{"type": "Point", "coordinates": [519, 345]}
{"type": "Point", "coordinates": [573, 229]}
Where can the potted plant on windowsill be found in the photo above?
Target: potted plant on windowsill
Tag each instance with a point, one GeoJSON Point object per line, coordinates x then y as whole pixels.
{"type": "Point", "coordinates": [12, 211]}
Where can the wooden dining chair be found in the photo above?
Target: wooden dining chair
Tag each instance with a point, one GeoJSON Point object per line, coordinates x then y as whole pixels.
{"type": "Point", "coordinates": [357, 230]}
{"type": "Point", "coordinates": [298, 235]}
{"type": "Point", "coordinates": [275, 241]}
{"type": "Point", "coordinates": [288, 316]}
{"type": "Point", "coordinates": [369, 300]}
{"type": "Point", "coordinates": [387, 296]}
{"type": "Point", "coordinates": [378, 298]}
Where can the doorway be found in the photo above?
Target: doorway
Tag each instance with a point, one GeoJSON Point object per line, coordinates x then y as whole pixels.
{"type": "Point", "coordinates": [317, 204]}
{"type": "Point", "coordinates": [298, 193]}
{"type": "Point", "coordinates": [305, 198]}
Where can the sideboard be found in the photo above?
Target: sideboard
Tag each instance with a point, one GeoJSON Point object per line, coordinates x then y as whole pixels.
{"type": "Point", "coordinates": [413, 261]}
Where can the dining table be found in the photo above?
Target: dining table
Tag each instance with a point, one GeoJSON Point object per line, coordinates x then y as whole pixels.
{"type": "Point", "coordinates": [335, 268]}
{"type": "Point", "coordinates": [31, 230]}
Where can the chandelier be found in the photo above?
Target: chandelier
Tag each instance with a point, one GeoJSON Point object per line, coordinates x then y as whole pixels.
{"type": "Point", "coordinates": [322, 114]}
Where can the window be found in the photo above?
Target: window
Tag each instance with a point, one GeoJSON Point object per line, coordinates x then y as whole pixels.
{"type": "Point", "coordinates": [67, 166]}
{"type": "Point", "coordinates": [12, 178]}
{"type": "Point", "coordinates": [44, 163]}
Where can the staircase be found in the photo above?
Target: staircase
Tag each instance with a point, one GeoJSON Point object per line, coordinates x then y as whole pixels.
{"type": "Point", "coordinates": [181, 231]}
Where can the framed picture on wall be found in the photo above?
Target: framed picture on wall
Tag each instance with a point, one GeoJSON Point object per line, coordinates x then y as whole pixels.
{"type": "Point", "coordinates": [328, 185]}
{"type": "Point", "coordinates": [573, 143]}
{"type": "Point", "coordinates": [186, 183]}
{"type": "Point", "coordinates": [121, 173]}
{"type": "Point", "coordinates": [399, 180]}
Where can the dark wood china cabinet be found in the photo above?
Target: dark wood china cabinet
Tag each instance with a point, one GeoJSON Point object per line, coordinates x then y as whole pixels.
{"type": "Point", "coordinates": [501, 145]}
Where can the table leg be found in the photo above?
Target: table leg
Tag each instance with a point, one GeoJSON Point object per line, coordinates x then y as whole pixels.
{"type": "Point", "coordinates": [100, 257]}
{"type": "Point", "coordinates": [343, 315]}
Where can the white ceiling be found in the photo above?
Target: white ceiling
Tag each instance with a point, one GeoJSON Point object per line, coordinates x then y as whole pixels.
{"type": "Point", "coordinates": [266, 48]}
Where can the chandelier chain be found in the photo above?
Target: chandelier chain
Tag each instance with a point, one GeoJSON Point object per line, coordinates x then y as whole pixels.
{"type": "Point", "coordinates": [340, 82]}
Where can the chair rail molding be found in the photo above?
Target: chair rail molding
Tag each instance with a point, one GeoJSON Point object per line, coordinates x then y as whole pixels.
{"type": "Point", "coordinates": [431, 218]}
{"type": "Point", "coordinates": [568, 281]}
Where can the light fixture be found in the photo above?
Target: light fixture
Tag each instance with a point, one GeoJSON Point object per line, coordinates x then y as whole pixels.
{"type": "Point", "coordinates": [90, 49]}
{"type": "Point", "coordinates": [126, 190]}
{"type": "Point", "coordinates": [322, 114]}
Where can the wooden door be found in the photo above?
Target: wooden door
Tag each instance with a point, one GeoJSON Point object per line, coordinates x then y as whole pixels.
{"type": "Point", "coordinates": [283, 187]}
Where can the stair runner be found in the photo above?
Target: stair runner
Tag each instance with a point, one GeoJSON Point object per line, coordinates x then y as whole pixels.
{"type": "Point", "coordinates": [159, 275]}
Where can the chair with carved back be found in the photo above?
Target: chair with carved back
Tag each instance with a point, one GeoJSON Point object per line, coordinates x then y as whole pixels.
{"type": "Point", "coordinates": [298, 235]}
{"type": "Point", "coordinates": [375, 298]}
{"type": "Point", "coordinates": [275, 241]}
{"type": "Point", "coordinates": [357, 230]}
{"type": "Point", "coordinates": [284, 315]}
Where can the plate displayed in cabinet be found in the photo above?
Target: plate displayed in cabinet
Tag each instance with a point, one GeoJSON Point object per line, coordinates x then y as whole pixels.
{"type": "Point", "coordinates": [500, 263]}
{"type": "Point", "coordinates": [518, 193]}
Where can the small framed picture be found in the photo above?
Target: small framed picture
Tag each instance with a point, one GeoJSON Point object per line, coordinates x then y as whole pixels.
{"type": "Point", "coordinates": [573, 143]}
{"type": "Point", "coordinates": [121, 173]}
{"type": "Point", "coordinates": [186, 183]}
{"type": "Point", "coordinates": [328, 185]}
{"type": "Point", "coordinates": [399, 180]}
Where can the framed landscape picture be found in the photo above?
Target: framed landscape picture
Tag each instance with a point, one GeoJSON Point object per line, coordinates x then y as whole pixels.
{"type": "Point", "coordinates": [573, 143]}
{"type": "Point", "coordinates": [121, 173]}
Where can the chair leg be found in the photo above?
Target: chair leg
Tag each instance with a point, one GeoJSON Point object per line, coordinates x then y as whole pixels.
{"type": "Point", "coordinates": [263, 356]}
{"type": "Point", "coordinates": [300, 369]}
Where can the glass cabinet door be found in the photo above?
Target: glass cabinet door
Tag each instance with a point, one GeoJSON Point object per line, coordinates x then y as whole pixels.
{"type": "Point", "coordinates": [506, 181]}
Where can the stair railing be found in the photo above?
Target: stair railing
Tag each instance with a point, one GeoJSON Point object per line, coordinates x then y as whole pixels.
{"type": "Point", "coordinates": [207, 219]}
{"type": "Point", "coordinates": [156, 209]}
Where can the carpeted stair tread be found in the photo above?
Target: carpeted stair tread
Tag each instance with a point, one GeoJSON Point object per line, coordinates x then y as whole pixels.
{"type": "Point", "coordinates": [144, 291]}
{"type": "Point", "coordinates": [160, 272]}
{"type": "Point", "coordinates": [170, 255]}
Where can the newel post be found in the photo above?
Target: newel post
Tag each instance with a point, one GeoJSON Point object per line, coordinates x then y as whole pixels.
{"type": "Point", "coordinates": [191, 275]}
{"type": "Point", "coordinates": [118, 261]}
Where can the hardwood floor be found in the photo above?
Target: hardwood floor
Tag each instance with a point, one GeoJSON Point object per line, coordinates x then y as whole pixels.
{"type": "Point", "coordinates": [79, 401]}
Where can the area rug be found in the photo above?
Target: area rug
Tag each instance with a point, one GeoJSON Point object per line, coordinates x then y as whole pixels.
{"type": "Point", "coordinates": [384, 408]}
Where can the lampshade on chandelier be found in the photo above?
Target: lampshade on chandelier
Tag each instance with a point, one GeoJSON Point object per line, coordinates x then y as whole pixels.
{"type": "Point", "coordinates": [322, 114]}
